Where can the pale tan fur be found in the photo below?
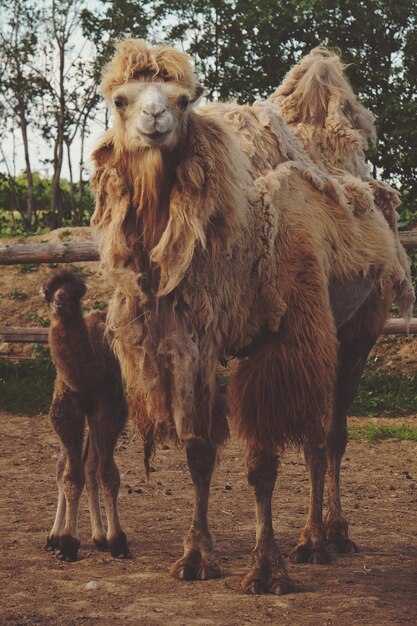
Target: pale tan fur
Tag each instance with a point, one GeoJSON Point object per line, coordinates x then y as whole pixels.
{"type": "Point", "coordinates": [229, 204]}
{"type": "Point", "coordinates": [221, 229]}
{"type": "Point", "coordinates": [318, 102]}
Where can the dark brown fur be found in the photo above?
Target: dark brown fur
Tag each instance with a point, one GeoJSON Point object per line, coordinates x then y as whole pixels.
{"type": "Point", "coordinates": [88, 387]}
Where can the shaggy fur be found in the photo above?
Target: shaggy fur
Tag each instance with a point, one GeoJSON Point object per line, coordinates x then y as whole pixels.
{"type": "Point", "coordinates": [88, 387]}
{"type": "Point", "coordinates": [317, 101]}
{"type": "Point", "coordinates": [248, 212]}
{"type": "Point", "coordinates": [225, 244]}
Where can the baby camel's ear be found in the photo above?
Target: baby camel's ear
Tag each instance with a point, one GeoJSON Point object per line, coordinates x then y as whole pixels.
{"type": "Point", "coordinates": [45, 293]}
{"type": "Point", "coordinates": [199, 90]}
{"type": "Point", "coordinates": [80, 289]}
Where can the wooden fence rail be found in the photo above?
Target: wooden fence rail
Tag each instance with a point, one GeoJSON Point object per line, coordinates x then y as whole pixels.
{"type": "Point", "coordinates": [78, 251]}
{"type": "Point", "coordinates": [60, 252]}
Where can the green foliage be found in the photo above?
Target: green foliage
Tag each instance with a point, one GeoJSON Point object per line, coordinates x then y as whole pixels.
{"type": "Point", "coordinates": [26, 387]}
{"type": "Point", "coordinates": [385, 393]}
{"type": "Point", "coordinates": [26, 268]}
{"type": "Point", "coordinates": [41, 321]}
{"type": "Point", "coordinates": [13, 200]}
{"type": "Point", "coordinates": [65, 235]}
{"type": "Point", "coordinates": [373, 433]}
{"type": "Point", "coordinates": [18, 294]}
{"type": "Point", "coordinates": [244, 48]}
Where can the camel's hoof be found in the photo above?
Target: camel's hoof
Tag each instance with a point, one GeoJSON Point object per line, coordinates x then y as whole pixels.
{"type": "Point", "coordinates": [281, 585]}
{"type": "Point", "coordinates": [101, 544]}
{"type": "Point", "coordinates": [254, 584]}
{"type": "Point", "coordinates": [118, 546]}
{"type": "Point", "coordinates": [52, 542]}
{"type": "Point", "coordinates": [193, 567]}
{"type": "Point", "coordinates": [184, 572]}
{"type": "Point", "coordinates": [304, 553]}
{"type": "Point", "coordinates": [208, 572]}
{"type": "Point", "coordinates": [68, 548]}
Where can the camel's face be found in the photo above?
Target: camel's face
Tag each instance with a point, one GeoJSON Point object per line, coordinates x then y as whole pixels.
{"type": "Point", "coordinates": [150, 114]}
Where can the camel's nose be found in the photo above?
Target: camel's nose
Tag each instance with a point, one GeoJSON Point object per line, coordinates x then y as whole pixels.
{"type": "Point", "coordinates": [155, 112]}
{"type": "Point", "coordinates": [154, 103]}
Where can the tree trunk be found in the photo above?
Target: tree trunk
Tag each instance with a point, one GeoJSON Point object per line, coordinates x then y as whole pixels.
{"type": "Point", "coordinates": [73, 200]}
{"type": "Point", "coordinates": [56, 196]}
{"type": "Point", "coordinates": [28, 218]}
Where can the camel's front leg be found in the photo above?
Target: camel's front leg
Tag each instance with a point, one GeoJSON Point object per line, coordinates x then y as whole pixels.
{"type": "Point", "coordinates": [197, 562]}
{"type": "Point", "coordinates": [54, 538]}
{"type": "Point", "coordinates": [312, 544]}
{"type": "Point", "coordinates": [268, 573]}
{"type": "Point", "coordinates": [68, 422]}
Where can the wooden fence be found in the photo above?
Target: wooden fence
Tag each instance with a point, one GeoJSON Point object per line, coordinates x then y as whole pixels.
{"type": "Point", "coordinates": [84, 251]}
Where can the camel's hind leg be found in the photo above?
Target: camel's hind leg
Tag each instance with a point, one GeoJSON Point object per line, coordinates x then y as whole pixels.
{"type": "Point", "coordinates": [268, 572]}
{"type": "Point", "coordinates": [93, 493]}
{"type": "Point", "coordinates": [197, 562]}
{"type": "Point", "coordinates": [357, 337]}
{"type": "Point", "coordinates": [68, 422]}
{"type": "Point", "coordinates": [353, 355]}
{"type": "Point", "coordinates": [312, 543]}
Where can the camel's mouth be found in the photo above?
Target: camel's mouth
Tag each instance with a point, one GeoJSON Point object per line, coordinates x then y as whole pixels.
{"type": "Point", "coordinates": [156, 137]}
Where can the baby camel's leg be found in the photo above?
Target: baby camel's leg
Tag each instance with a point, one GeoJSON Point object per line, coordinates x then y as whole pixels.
{"type": "Point", "coordinates": [268, 572]}
{"type": "Point", "coordinates": [93, 493]}
{"type": "Point", "coordinates": [54, 537]}
{"type": "Point", "coordinates": [68, 422]}
{"type": "Point", "coordinates": [197, 562]}
{"type": "Point", "coordinates": [104, 430]}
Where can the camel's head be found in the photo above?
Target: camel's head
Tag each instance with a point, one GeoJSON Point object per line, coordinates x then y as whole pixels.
{"type": "Point", "coordinates": [63, 292]}
{"type": "Point", "coordinates": [151, 90]}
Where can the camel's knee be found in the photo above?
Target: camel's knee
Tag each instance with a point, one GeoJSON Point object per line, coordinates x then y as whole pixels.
{"type": "Point", "coordinates": [201, 457]}
{"type": "Point", "coordinates": [262, 470]}
{"type": "Point", "coordinates": [74, 477]}
{"type": "Point", "coordinates": [60, 466]}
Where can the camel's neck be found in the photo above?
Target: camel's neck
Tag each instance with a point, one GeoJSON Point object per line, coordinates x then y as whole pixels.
{"type": "Point", "coordinates": [71, 350]}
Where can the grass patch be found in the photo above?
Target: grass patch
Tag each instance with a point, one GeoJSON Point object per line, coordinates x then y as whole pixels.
{"type": "Point", "coordinates": [26, 268]}
{"type": "Point", "coordinates": [26, 387]}
{"type": "Point", "coordinates": [65, 235]}
{"type": "Point", "coordinates": [388, 394]}
{"type": "Point", "coordinates": [372, 433]}
{"type": "Point", "coordinates": [45, 322]}
{"type": "Point", "coordinates": [18, 294]}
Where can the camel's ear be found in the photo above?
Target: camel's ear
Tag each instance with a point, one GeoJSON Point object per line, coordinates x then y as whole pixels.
{"type": "Point", "coordinates": [79, 287]}
{"type": "Point", "coordinates": [199, 90]}
{"type": "Point", "coordinates": [45, 293]}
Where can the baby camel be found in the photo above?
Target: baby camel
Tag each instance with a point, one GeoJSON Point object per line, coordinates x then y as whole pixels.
{"type": "Point", "coordinates": [88, 385]}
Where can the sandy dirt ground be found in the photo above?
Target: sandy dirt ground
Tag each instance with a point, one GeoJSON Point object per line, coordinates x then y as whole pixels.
{"type": "Point", "coordinates": [377, 586]}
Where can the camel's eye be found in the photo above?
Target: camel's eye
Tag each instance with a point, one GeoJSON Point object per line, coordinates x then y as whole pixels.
{"type": "Point", "coordinates": [183, 102]}
{"type": "Point", "coordinates": [120, 102]}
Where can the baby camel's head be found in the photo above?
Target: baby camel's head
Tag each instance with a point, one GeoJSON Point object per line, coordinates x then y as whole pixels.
{"type": "Point", "coordinates": [63, 292]}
